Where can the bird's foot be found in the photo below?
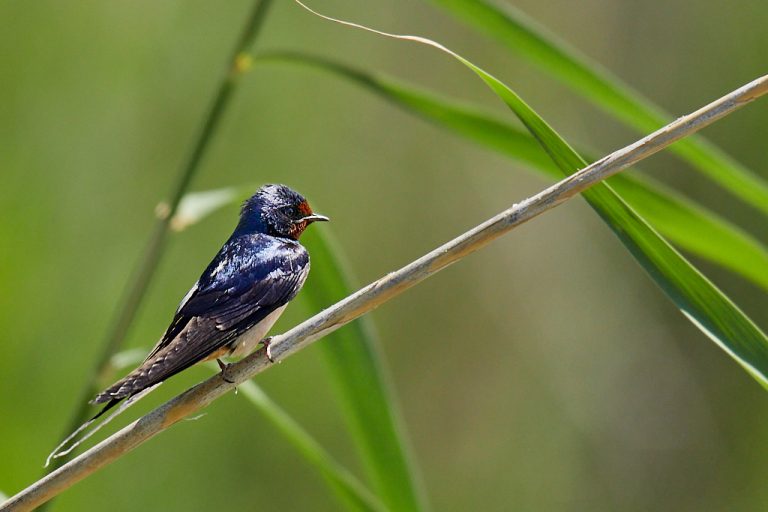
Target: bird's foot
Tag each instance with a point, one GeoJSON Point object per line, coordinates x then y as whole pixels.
{"type": "Point", "coordinates": [225, 371]}
{"type": "Point", "coordinates": [266, 342]}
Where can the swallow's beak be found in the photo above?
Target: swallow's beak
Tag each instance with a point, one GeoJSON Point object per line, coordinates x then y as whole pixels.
{"type": "Point", "coordinates": [315, 217]}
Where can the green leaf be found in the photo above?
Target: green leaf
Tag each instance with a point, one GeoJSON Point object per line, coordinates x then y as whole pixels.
{"type": "Point", "coordinates": [694, 228]}
{"type": "Point", "coordinates": [526, 38]}
{"type": "Point", "coordinates": [195, 206]}
{"type": "Point", "coordinates": [352, 355]}
{"type": "Point", "coordinates": [698, 298]}
{"type": "Point", "coordinates": [354, 495]}
{"type": "Point", "coordinates": [686, 223]}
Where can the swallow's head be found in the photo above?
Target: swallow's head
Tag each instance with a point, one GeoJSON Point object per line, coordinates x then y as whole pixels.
{"type": "Point", "coordinates": [278, 211]}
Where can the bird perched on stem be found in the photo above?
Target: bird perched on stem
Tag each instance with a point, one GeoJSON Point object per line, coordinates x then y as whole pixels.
{"type": "Point", "coordinates": [237, 299]}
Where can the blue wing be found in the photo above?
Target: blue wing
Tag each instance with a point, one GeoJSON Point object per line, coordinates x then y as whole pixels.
{"type": "Point", "coordinates": [249, 278]}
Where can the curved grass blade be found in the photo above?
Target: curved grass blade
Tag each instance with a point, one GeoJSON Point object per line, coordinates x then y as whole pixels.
{"type": "Point", "coordinates": [195, 206]}
{"type": "Point", "coordinates": [694, 228]}
{"type": "Point", "coordinates": [689, 225]}
{"type": "Point", "coordinates": [697, 297]}
{"type": "Point", "coordinates": [349, 490]}
{"type": "Point", "coordinates": [352, 355]}
{"type": "Point", "coordinates": [526, 38]}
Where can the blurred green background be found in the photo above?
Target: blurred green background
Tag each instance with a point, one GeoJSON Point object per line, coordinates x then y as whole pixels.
{"type": "Point", "coordinates": [546, 372]}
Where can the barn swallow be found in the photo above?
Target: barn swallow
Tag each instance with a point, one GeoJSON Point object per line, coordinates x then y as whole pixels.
{"type": "Point", "coordinates": [238, 297]}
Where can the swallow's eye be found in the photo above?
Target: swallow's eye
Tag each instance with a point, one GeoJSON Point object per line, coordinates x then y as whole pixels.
{"type": "Point", "coordinates": [291, 211]}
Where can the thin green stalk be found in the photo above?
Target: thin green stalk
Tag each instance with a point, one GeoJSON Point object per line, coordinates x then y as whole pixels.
{"type": "Point", "coordinates": [141, 278]}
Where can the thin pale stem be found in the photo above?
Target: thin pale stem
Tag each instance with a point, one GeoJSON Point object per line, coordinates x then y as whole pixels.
{"type": "Point", "coordinates": [373, 295]}
{"type": "Point", "coordinates": [140, 279]}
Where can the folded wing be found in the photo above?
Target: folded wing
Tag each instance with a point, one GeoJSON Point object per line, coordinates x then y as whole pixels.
{"type": "Point", "coordinates": [250, 278]}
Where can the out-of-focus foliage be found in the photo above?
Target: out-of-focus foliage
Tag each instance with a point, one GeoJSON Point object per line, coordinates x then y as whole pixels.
{"type": "Point", "coordinates": [521, 34]}
{"type": "Point", "coordinates": [687, 224]}
{"type": "Point", "coordinates": [706, 306]}
{"type": "Point", "coordinates": [545, 372]}
{"type": "Point", "coordinates": [351, 491]}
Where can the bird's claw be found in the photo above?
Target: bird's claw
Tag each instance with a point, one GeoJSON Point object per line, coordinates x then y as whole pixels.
{"type": "Point", "coordinates": [225, 371]}
{"type": "Point", "coordinates": [266, 342]}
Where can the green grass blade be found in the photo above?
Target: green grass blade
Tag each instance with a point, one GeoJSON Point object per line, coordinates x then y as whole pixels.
{"type": "Point", "coordinates": [690, 226]}
{"type": "Point", "coordinates": [352, 356]}
{"type": "Point", "coordinates": [526, 38]}
{"type": "Point", "coordinates": [351, 492]}
{"type": "Point", "coordinates": [694, 228]}
{"type": "Point", "coordinates": [195, 206]}
{"type": "Point", "coordinates": [698, 298]}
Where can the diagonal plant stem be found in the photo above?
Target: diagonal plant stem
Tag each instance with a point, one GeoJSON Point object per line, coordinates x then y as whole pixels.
{"type": "Point", "coordinates": [141, 278]}
{"type": "Point", "coordinates": [372, 296]}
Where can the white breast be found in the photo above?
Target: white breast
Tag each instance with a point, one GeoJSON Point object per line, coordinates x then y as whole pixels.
{"type": "Point", "coordinates": [247, 341]}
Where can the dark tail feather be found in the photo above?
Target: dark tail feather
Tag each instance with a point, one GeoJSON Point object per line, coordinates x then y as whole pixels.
{"type": "Point", "coordinates": [130, 385]}
{"type": "Point", "coordinates": [106, 408]}
{"type": "Point", "coordinates": [62, 448]}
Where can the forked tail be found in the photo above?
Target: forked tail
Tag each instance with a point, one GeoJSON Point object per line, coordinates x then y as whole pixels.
{"type": "Point", "coordinates": [64, 447]}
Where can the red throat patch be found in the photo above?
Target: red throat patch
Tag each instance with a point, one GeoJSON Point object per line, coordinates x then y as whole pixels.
{"type": "Point", "coordinates": [304, 209]}
{"type": "Point", "coordinates": [298, 228]}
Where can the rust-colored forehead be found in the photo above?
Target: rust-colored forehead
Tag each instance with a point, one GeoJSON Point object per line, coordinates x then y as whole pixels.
{"type": "Point", "coordinates": [304, 208]}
